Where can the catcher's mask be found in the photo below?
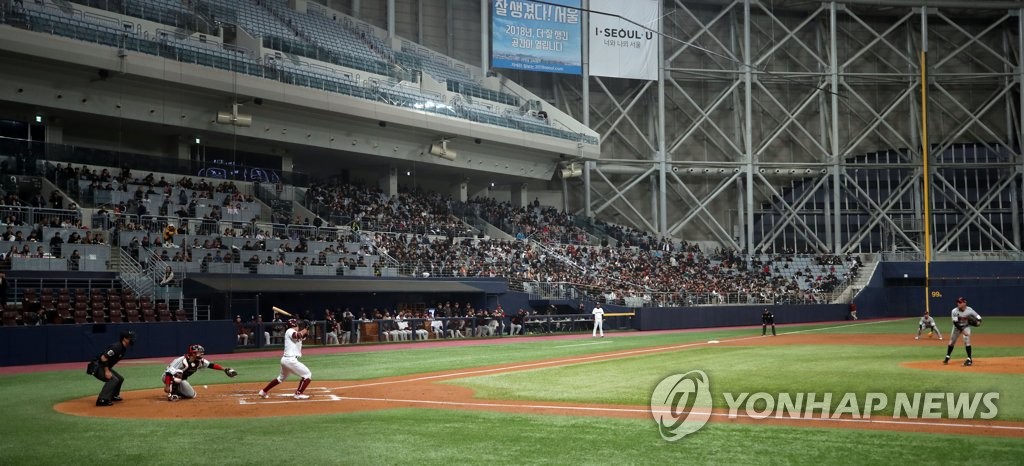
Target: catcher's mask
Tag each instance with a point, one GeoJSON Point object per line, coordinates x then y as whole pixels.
{"type": "Point", "coordinates": [196, 351]}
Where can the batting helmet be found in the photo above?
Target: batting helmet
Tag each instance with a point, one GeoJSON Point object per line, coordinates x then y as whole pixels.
{"type": "Point", "coordinates": [293, 322]}
{"type": "Point", "coordinates": [196, 351]}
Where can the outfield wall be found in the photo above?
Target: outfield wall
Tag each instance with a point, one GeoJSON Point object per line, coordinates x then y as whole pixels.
{"type": "Point", "coordinates": [898, 288]}
{"type": "Point", "coordinates": [46, 344]}
{"type": "Point", "coordinates": [661, 318]}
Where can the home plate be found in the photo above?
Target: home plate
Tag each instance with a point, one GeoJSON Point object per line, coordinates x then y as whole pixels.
{"type": "Point", "coordinates": [712, 341]}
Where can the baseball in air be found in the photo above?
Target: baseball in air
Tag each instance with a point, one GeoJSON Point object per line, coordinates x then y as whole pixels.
{"type": "Point", "coordinates": [904, 275]}
{"type": "Point", "coordinates": [205, 387]}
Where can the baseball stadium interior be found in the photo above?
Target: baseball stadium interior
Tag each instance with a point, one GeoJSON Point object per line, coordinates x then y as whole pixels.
{"type": "Point", "coordinates": [183, 167]}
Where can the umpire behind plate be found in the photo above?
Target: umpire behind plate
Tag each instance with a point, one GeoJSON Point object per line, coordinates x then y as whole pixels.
{"type": "Point", "coordinates": [102, 367]}
{"type": "Point", "coordinates": [963, 319]}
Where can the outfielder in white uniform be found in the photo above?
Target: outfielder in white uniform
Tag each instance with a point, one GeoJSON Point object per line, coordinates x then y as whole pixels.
{"type": "Point", "coordinates": [290, 364]}
{"type": "Point", "coordinates": [176, 384]}
{"type": "Point", "coordinates": [598, 319]}
{"type": "Point", "coordinates": [927, 322]}
{"type": "Point", "coordinates": [962, 315]}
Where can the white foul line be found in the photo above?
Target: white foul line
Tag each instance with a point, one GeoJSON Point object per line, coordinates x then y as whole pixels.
{"type": "Point", "coordinates": [638, 410]}
{"type": "Point", "coordinates": [582, 359]}
{"type": "Point", "coordinates": [840, 326]}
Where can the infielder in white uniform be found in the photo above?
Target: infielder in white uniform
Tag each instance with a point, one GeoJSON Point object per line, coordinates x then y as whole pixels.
{"type": "Point", "coordinates": [963, 319]}
{"type": "Point", "coordinates": [176, 384]}
{"type": "Point", "coordinates": [598, 319]}
{"type": "Point", "coordinates": [297, 331]}
{"type": "Point", "coordinates": [927, 322]}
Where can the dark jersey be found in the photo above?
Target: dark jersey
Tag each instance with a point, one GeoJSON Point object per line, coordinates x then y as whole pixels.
{"type": "Point", "coordinates": [113, 354]}
{"type": "Point", "coordinates": [767, 318]}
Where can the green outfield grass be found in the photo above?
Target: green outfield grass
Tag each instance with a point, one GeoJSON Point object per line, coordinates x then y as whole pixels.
{"type": "Point", "coordinates": [773, 369]}
{"type": "Point", "coordinates": [33, 433]}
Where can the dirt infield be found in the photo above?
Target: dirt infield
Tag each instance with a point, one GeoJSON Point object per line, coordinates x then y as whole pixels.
{"type": "Point", "coordinates": [1009, 365]}
{"type": "Point", "coordinates": [423, 391]}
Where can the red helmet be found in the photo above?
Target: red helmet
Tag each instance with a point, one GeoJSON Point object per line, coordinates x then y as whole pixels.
{"type": "Point", "coordinates": [195, 351]}
{"type": "Point", "coordinates": [293, 322]}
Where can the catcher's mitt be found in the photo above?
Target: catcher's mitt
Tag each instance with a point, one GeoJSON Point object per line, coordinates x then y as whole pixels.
{"type": "Point", "coordinates": [230, 372]}
{"type": "Point", "coordinates": [973, 322]}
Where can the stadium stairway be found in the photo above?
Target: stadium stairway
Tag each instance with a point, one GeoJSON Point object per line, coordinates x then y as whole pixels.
{"type": "Point", "coordinates": [115, 258]}
{"type": "Point", "coordinates": [869, 263]}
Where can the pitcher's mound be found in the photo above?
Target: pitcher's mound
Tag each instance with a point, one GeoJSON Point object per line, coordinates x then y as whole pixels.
{"type": "Point", "coordinates": [1005, 365]}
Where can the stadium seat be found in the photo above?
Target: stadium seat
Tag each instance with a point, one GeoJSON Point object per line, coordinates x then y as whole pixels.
{"type": "Point", "coordinates": [146, 309]}
{"type": "Point", "coordinates": [81, 317]}
{"type": "Point", "coordinates": [115, 315]}
{"type": "Point", "coordinates": [45, 301]}
{"type": "Point", "coordinates": [162, 313]}
{"type": "Point", "coordinates": [114, 297]}
{"type": "Point", "coordinates": [10, 318]}
{"type": "Point", "coordinates": [62, 313]}
{"type": "Point", "coordinates": [81, 296]}
{"type": "Point", "coordinates": [99, 314]}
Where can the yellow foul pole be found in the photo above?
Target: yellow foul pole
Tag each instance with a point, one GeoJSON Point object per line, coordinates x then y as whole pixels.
{"type": "Point", "coordinates": [924, 157]}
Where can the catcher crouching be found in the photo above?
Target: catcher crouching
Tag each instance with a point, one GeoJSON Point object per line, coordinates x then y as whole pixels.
{"type": "Point", "coordinates": [176, 384]}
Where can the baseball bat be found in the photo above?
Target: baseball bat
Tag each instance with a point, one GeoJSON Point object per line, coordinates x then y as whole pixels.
{"type": "Point", "coordinates": [278, 310]}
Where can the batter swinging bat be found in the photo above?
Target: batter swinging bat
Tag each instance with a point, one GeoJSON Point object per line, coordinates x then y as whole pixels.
{"type": "Point", "coordinates": [278, 310]}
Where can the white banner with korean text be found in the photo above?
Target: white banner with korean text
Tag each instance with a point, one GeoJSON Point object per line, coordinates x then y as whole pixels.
{"type": "Point", "coordinates": [620, 48]}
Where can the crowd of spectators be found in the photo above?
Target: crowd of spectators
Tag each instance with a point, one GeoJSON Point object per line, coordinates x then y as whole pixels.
{"type": "Point", "coordinates": [551, 252]}
{"type": "Point", "coordinates": [408, 211]}
{"type": "Point", "coordinates": [535, 222]}
{"type": "Point", "coordinates": [681, 275]}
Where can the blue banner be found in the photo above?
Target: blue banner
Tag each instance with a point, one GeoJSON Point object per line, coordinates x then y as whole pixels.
{"type": "Point", "coordinates": [535, 36]}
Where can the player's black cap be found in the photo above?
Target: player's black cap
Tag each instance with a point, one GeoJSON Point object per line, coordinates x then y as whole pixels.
{"type": "Point", "coordinates": [129, 334]}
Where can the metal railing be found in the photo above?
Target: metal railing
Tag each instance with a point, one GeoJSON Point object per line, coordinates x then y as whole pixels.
{"type": "Point", "coordinates": [39, 215]}
{"type": "Point", "coordinates": [953, 256]}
